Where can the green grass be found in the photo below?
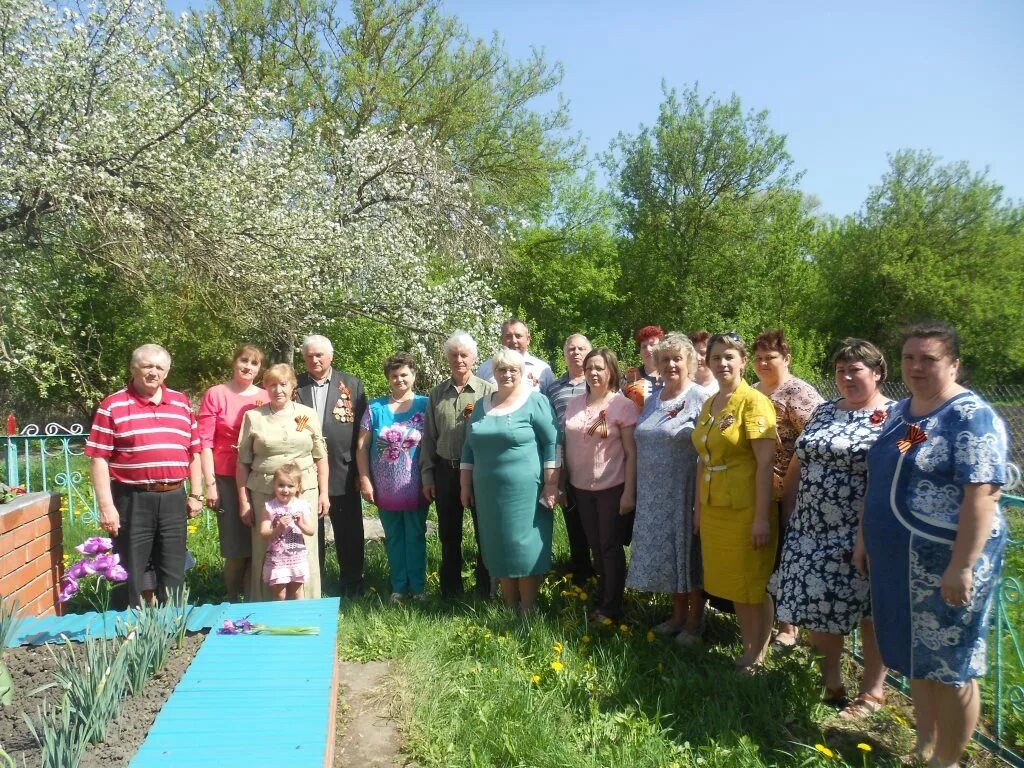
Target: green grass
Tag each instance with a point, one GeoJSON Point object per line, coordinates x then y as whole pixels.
{"type": "Point", "coordinates": [477, 686]}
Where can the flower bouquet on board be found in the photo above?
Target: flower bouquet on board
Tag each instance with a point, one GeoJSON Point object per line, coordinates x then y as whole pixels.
{"type": "Point", "coordinates": [245, 627]}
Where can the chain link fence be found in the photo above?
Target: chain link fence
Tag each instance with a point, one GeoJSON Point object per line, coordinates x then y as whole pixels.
{"type": "Point", "coordinates": [1007, 399]}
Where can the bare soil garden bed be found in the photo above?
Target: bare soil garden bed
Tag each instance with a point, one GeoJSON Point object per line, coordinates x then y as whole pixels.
{"type": "Point", "coordinates": [32, 667]}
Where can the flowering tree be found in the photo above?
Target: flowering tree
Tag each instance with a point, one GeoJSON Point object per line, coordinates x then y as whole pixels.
{"type": "Point", "coordinates": [137, 169]}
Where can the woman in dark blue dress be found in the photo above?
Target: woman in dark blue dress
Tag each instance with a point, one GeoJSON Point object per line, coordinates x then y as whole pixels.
{"type": "Point", "coordinates": [934, 539]}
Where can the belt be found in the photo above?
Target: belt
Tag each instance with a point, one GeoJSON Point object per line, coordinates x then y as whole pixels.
{"type": "Point", "coordinates": [153, 487]}
{"type": "Point", "coordinates": [453, 463]}
{"type": "Point", "coordinates": [715, 468]}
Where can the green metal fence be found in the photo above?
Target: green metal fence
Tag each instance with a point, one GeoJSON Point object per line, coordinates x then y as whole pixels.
{"type": "Point", "coordinates": [52, 458]}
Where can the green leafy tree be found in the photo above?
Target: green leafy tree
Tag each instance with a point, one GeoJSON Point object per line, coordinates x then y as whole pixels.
{"type": "Point", "coordinates": [561, 274]}
{"type": "Point", "coordinates": [934, 240]}
{"type": "Point", "coordinates": [714, 233]}
{"type": "Point", "coordinates": [405, 63]}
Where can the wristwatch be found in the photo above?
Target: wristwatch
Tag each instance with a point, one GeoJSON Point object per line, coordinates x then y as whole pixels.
{"type": "Point", "coordinates": [197, 497]}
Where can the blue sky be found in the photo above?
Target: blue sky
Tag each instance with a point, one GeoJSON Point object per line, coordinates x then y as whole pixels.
{"type": "Point", "coordinates": [846, 82]}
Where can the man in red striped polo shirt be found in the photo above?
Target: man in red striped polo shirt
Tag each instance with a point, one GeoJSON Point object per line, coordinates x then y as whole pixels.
{"type": "Point", "coordinates": [144, 443]}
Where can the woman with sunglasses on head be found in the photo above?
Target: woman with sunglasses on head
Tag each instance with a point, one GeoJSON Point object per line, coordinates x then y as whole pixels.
{"type": "Point", "coordinates": [932, 539]}
{"type": "Point", "coordinates": [735, 513]}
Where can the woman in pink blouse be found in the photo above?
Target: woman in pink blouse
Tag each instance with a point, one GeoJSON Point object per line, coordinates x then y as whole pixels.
{"type": "Point", "coordinates": [601, 458]}
{"type": "Point", "coordinates": [220, 419]}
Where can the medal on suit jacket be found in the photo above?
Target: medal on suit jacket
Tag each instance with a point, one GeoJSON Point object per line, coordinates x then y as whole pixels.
{"type": "Point", "coordinates": [343, 408]}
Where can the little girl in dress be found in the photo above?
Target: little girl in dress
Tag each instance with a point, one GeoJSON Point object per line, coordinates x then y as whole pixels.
{"type": "Point", "coordinates": [285, 519]}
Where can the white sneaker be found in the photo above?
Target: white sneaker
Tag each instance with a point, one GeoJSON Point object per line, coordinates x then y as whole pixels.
{"type": "Point", "coordinates": [397, 597]}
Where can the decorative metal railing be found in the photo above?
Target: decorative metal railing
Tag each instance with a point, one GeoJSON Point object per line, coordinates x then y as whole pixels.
{"type": "Point", "coordinates": [1003, 686]}
{"type": "Point", "coordinates": [1007, 672]}
{"type": "Point", "coordinates": [52, 459]}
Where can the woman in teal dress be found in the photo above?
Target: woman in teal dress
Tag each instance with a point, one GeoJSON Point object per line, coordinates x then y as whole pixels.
{"type": "Point", "coordinates": [389, 476]}
{"type": "Point", "coordinates": [509, 469]}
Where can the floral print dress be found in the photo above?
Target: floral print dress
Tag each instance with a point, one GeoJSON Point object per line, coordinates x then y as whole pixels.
{"type": "Point", "coordinates": [395, 453]}
{"type": "Point", "coordinates": [918, 469]}
{"type": "Point", "coordinates": [816, 585]}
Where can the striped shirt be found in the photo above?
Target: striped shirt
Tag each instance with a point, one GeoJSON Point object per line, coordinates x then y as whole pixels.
{"type": "Point", "coordinates": [142, 441]}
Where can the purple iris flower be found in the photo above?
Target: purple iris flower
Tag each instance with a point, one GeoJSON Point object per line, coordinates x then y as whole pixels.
{"type": "Point", "coordinates": [237, 627]}
{"type": "Point", "coordinates": [95, 545]}
{"type": "Point", "coordinates": [104, 563]}
{"type": "Point", "coordinates": [81, 569]}
{"type": "Point", "coordinates": [116, 572]}
{"type": "Point", "coordinates": [68, 587]}
{"type": "Point", "coordinates": [227, 628]}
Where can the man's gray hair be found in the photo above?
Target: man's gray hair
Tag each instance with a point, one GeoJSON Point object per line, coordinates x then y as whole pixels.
{"type": "Point", "coordinates": [508, 358]}
{"type": "Point", "coordinates": [316, 338]}
{"type": "Point", "coordinates": [572, 336]}
{"type": "Point", "coordinates": [461, 340]}
{"type": "Point", "coordinates": [150, 349]}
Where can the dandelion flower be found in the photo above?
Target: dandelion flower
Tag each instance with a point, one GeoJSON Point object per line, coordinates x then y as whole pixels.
{"type": "Point", "coordinates": [824, 750]}
{"type": "Point", "coordinates": [583, 597]}
{"type": "Point", "coordinates": [606, 621]}
{"type": "Point", "coordinates": [557, 666]}
{"type": "Point", "coordinates": [899, 720]}
{"type": "Point", "coordinates": [864, 747]}
{"type": "Point", "coordinates": [623, 629]}
{"type": "Point", "coordinates": [535, 679]}
{"type": "Point", "coordinates": [650, 636]}
{"type": "Point", "coordinates": [586, 639]}
{"type": "Point", "coordinates": [494, 670]}
{"type": "Point", "coordinates": [558, 647]}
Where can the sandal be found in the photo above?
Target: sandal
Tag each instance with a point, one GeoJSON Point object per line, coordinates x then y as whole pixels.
{"type": "Point", "coordinates": [784, 643]}
{"type": "Point", "coordinates": [862, 707]}
{"type": "Point", "coordinates": [749, 670]}
{"type": "Point", "coordinates": [836, 697]}
{"type": "Point", "coordinates": [667, 628]}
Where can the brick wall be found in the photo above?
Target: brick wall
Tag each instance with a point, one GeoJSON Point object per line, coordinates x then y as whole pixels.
{"type": "Point", "coordinates": [31, 549]}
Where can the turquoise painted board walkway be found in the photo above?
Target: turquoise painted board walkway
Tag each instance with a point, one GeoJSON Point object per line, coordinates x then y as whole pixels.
{"type": "Point", "coordinates": [253, 700]}
{"type": "Point", "coordinates": [49, 629]}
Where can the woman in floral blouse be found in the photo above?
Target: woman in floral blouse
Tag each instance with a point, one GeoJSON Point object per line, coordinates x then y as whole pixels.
{"type": "Point", "coordinates": [389, 476]}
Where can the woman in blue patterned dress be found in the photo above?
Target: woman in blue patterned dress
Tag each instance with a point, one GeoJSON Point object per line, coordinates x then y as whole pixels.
{"type": "Point", "coordinates": [816, 586]}
{"type": "Point", "coordinates": [934, 539]}
{"type": "Point", "coordinates": [666, 553]}
{"type": "Point", "coordinates": [388, 462]}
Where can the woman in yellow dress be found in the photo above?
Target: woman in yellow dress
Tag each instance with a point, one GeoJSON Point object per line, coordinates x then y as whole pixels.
{"type": "Point", "coordinates": [735, 515]}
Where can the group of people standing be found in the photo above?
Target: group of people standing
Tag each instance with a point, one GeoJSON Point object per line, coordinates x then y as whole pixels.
{"type": "Point", "coordinates": [823, 515]}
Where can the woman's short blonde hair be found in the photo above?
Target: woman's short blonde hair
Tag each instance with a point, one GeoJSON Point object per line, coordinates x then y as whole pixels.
{"type": "Point", "coordinates": [279, 372]}
{"type": "Point", "coordinates": [677, 342]}
{"type": "Point", "coordinates": [508, 358]}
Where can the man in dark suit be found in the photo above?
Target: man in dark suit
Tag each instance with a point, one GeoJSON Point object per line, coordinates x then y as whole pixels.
{"type": "Point", "coordinates": [340, 401]}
